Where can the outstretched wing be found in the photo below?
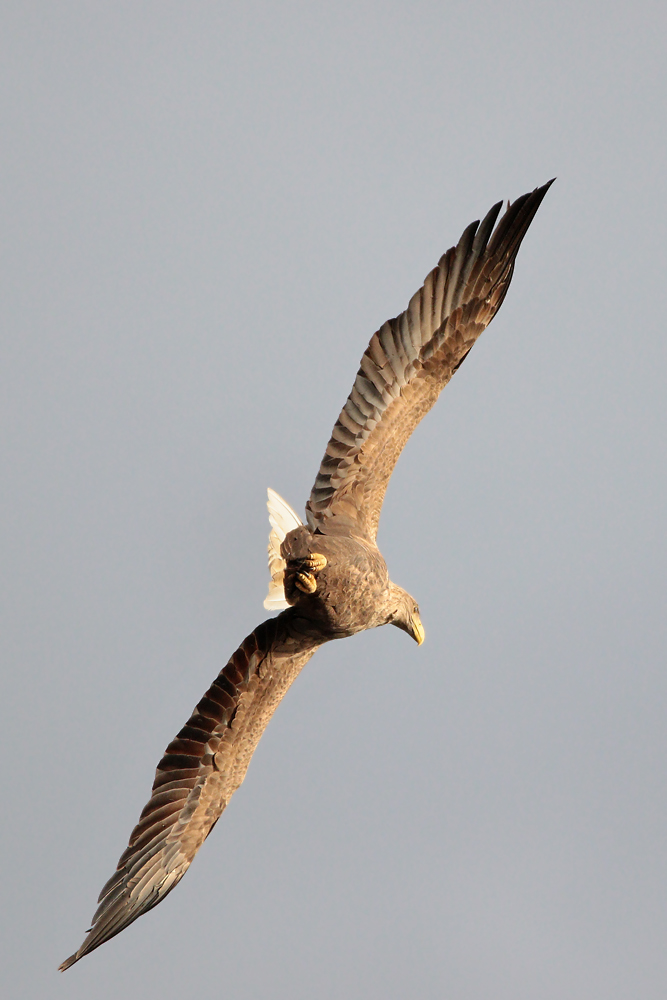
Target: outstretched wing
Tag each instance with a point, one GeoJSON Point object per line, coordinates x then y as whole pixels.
{"type": "Point", "coordinates": [199, 773]}
{"type": "Point", "coordinates": [407, 364]}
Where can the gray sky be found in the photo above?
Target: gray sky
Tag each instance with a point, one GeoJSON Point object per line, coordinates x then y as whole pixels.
{"type": "Point", "coordinates": [207, 209]}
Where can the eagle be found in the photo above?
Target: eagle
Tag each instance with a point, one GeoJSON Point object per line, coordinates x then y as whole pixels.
{"type": "Point", "coordinates": [328, 577]}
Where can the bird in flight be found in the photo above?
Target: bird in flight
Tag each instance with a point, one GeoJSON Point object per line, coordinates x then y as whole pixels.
{"type": "Point", "coordinates": [328, 578]}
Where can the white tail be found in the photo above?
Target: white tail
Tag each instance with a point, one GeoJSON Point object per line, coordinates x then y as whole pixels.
{"type": "Point", "coordinates": [282, 519]}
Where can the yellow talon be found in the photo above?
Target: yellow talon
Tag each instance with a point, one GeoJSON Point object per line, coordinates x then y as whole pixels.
{"type": "Point", "coordinates": [306, 582]}
{"type": "Point", "coordinates": [304, 577]}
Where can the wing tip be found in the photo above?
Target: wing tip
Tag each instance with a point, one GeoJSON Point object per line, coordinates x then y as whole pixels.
{"type": "Point", "coordinates": [539, 192]}
{"type": "Point", "coordinates": [515, 222]}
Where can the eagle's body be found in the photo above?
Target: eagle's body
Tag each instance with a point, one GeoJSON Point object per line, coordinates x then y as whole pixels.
{"type": "Point", "coordinates": [353, 589]}
{"type": "Point", "coordinates": [328, 575]}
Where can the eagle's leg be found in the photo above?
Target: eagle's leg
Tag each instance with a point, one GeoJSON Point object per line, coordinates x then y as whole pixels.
{"type": "Point", "coordinates": [305, 576]}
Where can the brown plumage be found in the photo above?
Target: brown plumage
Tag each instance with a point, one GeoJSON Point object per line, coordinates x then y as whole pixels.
{"type": "Point", "coordinates": [329, 572]}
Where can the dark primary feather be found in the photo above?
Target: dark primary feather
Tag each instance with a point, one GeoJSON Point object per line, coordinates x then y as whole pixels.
{"type": "Point", "coordinates": [407, 364]}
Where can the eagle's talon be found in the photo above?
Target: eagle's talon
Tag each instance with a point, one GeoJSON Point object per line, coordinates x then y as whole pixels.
{"type": "Point", "coordinates": [304, 578]}
{"type": "Point", "coordinates": [306, 582]}
{"type": "Point", "coordinates": [315, 562]}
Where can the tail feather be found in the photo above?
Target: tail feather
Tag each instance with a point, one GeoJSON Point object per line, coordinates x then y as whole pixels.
{"type": "Point", "coordinates": [282, 519]}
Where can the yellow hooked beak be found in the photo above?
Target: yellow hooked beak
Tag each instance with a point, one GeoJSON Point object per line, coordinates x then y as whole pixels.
{"type": "Point", "coordinates": [417, 631]}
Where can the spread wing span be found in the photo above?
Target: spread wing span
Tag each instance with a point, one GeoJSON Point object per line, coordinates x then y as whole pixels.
{"type": "Point", "coordinates": [199, 773]}
{"type": "Point", "coordinates": [406, 365]}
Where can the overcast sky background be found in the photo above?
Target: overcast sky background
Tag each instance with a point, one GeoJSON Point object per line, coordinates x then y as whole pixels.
{"type": "Point", "coordinates": [207, 209]}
